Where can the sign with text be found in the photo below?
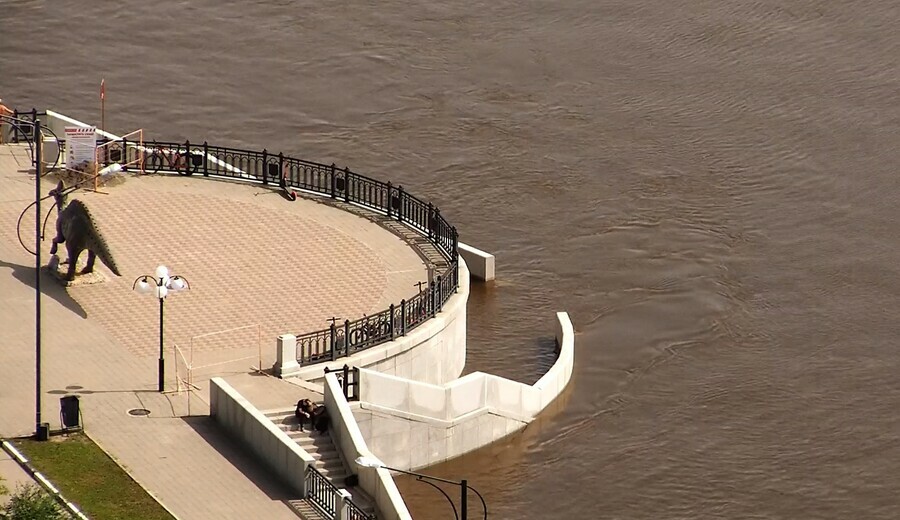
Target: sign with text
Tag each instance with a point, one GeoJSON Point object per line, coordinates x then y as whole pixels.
{"type": "Point", "coordinates": [81, 145]}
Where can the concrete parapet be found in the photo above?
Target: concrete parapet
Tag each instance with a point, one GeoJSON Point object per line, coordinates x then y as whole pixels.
{"type": "Point", "coordinates": [434, 352]}
{"type": "Point", "coordinates": [250, 426]}
{"type": "Point", "coordinates": [378, 483]}
{"type": "Point", "coordinates": [409, 424]}
{"type": "Point", "coordinates": [481, 263]}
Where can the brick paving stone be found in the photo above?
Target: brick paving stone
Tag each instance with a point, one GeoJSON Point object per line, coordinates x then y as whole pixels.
{"type": "Point", "coordinates": [254, 260]}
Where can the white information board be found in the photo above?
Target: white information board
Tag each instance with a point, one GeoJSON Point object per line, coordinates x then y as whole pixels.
{"type": "Point", "coordinates": [81, 145]}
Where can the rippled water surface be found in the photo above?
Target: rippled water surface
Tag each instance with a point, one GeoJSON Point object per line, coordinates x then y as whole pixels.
{"type": "Point", "coordinates": [709, 188]}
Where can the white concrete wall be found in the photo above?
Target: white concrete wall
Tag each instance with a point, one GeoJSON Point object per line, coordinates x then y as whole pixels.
{"type": "Point", "coordinates": [409, 424]}
{"type": "Point", "coordinates": [482, 265]}
{"type": "Point", "coordinates": [410, 443]}
{"type": "Point", "coordinates": [58, 122]}
{"type": "Point", "coordinates": [251, 427]}
{"type": "Point", "coordinates": [378, 483]}
{"type": "Point", "coordinates": [435, 352]}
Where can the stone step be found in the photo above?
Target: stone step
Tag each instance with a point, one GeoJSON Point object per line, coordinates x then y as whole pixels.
{"type": "Point", "coordinates": [303, 438]}
{"type": "Point", "coordinates": [322, 454]}
{"type": "Point", "coordinates": [361, 499]}
{"type": "Point", "coordinates": [330, 465]}
{"type": "Point", "coordinates": [336, 476]}
{"type": "Point", "coordinates": [321, 447]}
{"type": "Point", "coordinates": [305, 510]}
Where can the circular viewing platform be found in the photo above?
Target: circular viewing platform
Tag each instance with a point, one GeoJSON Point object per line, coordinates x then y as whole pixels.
{"type": "Point", "coordinates": [259, 265]}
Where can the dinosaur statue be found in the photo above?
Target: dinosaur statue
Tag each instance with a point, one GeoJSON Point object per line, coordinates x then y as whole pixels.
{"type": "Point", "coordinates": [76, 228]}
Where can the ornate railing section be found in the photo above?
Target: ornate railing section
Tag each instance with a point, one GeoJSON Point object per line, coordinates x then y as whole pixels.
{"type": "Point", "coordinates": [349, 337]}
{"type": "Point", "coordinates": [320, 492]}
{"type": "Point", "coordinates": [355, 513]}
{"type": "Point", "coordinates": [323, 495]}
{"type": "Point", "coordinates": [341, 339]}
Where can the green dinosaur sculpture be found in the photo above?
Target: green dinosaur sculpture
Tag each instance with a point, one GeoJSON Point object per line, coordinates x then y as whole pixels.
{"type": "Point", "coordinates": [76, 228]}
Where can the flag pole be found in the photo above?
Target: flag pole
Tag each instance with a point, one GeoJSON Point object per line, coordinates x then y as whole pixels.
{"type": "Point", "coordinates": [102, 128]}
{"type": "Point", "coordinates": [103, 104]}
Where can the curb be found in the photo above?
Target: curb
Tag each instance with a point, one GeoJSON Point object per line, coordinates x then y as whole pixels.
{"type": "Point", "coordinates": [42, 480]}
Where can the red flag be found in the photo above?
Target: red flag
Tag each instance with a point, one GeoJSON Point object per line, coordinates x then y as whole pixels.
{"type": "Point", "coordinates": [102, 89]}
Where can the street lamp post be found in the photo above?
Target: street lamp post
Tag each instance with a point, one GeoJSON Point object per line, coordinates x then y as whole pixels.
{"type": "Point", "coordinates": [160, 286]}
{"type": "Point", "coordinates": [41, 429]}
{"type": "Point", "coordinates": [370, 462]}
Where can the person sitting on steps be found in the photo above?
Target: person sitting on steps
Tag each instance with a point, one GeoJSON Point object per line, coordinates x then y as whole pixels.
{"type": "Point", "coordinates": [316, 414]}
{"type": "Point", "coordinates": [304, 411]}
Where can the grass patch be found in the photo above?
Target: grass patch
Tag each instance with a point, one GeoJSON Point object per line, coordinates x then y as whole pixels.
{"type": "Point", "coordinates": [87, 476]}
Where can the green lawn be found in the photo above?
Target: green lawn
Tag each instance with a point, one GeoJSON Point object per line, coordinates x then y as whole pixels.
{"type": "Point", "coordinates": [86, 476]}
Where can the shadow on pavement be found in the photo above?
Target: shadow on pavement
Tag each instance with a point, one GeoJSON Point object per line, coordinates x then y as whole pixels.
{"type": "Point", "coordinates": [49, 286]}
{"type": "Point", "coordinates": [241, 458]}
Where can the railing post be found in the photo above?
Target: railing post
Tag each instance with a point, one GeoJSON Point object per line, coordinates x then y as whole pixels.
{"type": "Point", "coordinates": [282, 181]}
{"type": "Point", "coordinates": [125, 155]}
{"type": "Point", "coordinates": [346, 382]}
{"type": "Point", "coordinates": [391, 321]}
{"type": "Point", "coordinates": [341, 506]}
{"type": "Point", "coordinates": [15, 126]}
{"type": "Point", "coordinates": [346, 337]}
{"type": "Point", "coordinates": [188, 160]}
{"type": "Point", "coordinates": [440, 294]}
{"type": "Point", "coordinates": [205, 159]}
{"type": "Point", "coordinates": [429, 304]}
{"type": "Point", "coordinates": [390, 199]}
{"type": "Point", "coordinates": [430, 223]}
{"type": "Point", "coordinates": [334, 341]}
{"type": "Point", "coordinates": [265, 165]}
{"type": "Point", "coordinates": [402, 213]}
{"type": "Point", "coordinates": [403, 317]}
{"type": "Point", "coordinates": [333, 181]}
{"type": "Point", "coordinates": [346, 184]}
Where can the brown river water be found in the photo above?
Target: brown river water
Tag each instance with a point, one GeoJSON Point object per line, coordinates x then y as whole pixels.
{"type": "Point", "coordinates": [709, 187]}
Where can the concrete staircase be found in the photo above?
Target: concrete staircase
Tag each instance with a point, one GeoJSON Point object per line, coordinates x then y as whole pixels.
{"type": "Point", "coordinates": [328, 460]}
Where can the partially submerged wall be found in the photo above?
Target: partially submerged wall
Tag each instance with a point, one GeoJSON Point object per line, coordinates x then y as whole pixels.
{"type": "Point", "coordinates": [481, 263]}
{"type": "Point", "coordinates": [409, 424]}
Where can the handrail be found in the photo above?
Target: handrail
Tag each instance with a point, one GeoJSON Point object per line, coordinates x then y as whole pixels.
{"type": "Point", "coordinates": [323, 495]}
{"type": "Point", "coordinates": [279, 170]}
{"type": "Point", "coordinates": [354, 512]}
{"type": "Point", "coordinates": [320, 492]}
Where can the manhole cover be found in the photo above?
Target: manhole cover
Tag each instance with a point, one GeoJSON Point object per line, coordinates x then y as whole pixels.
{"type": "Point", "coordinates": [139, 412]}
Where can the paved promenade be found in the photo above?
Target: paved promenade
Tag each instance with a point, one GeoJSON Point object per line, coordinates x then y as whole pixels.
{"type": "Point", "coordinates": [258, 266]}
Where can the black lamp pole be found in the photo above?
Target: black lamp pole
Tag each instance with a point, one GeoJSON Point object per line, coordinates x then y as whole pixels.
{"type": "Point", "coordinates": [464, 491]}
{"type": "Point", "coordinates": [163, 285]}
{"type": "Point", "coordinates": [41, 430]}
{"type": "Point", "coordinates": [162, 361]}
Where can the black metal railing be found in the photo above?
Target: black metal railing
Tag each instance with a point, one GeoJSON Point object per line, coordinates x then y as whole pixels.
{"type": "Point", "coordinates": [320, 492]}
{"type": "Point", "coordinates": [349, 378]}
{"type": "Point", "coordinates": [340, 339]}
{"type": "Point", "coordinates": [323, 495]}
{"type": "Point", "coordinates": [23, 132]}
{"type": "Point", "coordinates": [349, 337]}
{"type": "Point", "coordinates": [354, 512]}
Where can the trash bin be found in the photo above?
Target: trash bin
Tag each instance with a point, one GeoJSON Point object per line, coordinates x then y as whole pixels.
{"type": "Point", "coordinates": [70, 411]}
